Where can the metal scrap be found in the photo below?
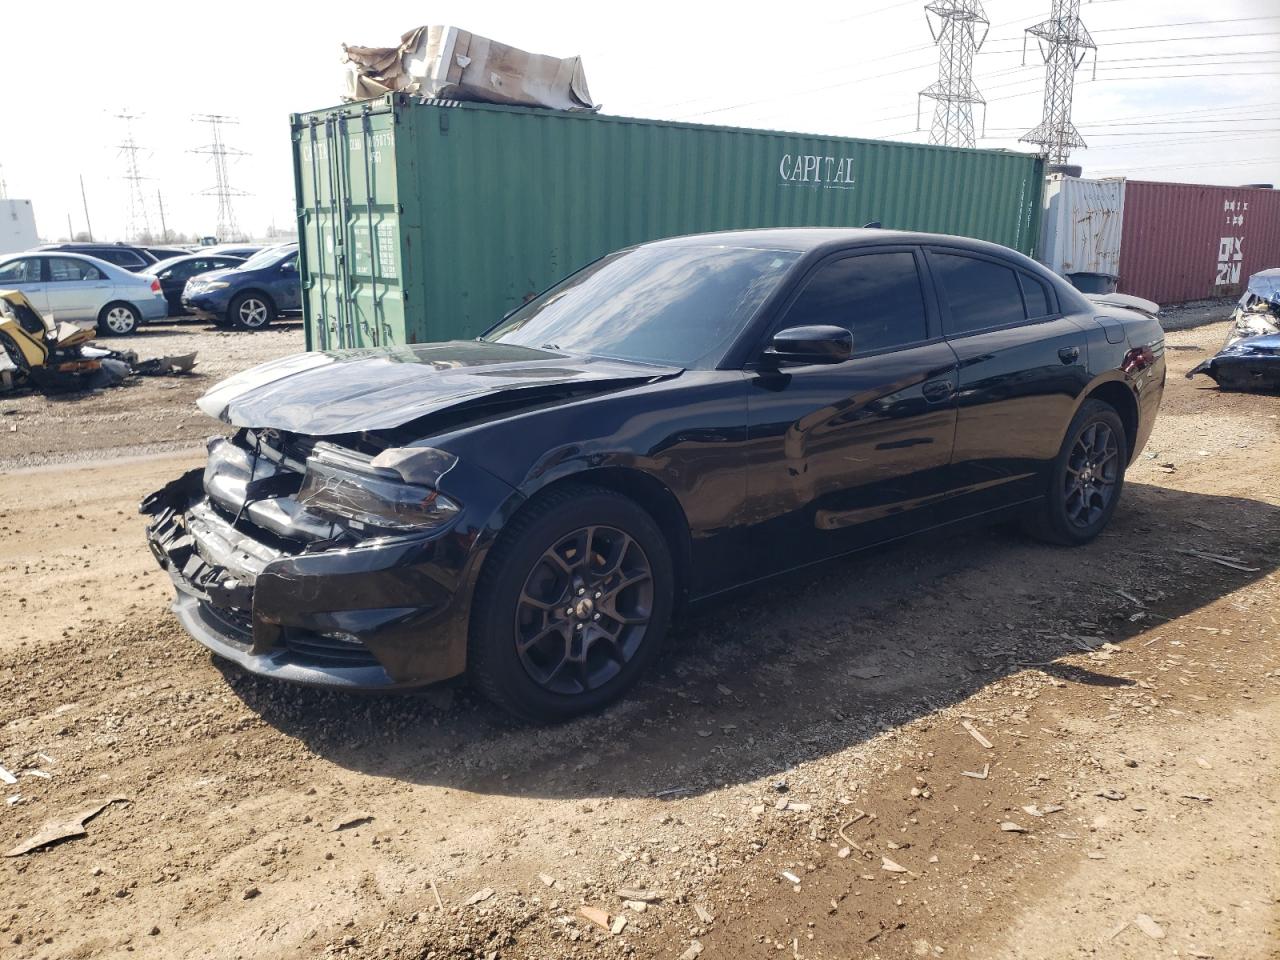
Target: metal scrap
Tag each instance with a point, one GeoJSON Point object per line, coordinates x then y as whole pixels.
{"type": "Point", "coordinates": [53, 831]}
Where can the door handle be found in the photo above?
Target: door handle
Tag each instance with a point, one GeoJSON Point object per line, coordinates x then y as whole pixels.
{"type": "Point", "coordinates": [936, 391]}
{"type": "Point", "coordinates": [1069, 354]}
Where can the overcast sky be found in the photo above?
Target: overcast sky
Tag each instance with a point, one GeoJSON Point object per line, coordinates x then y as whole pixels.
{"type": "Point", "coordinates": [1168, 103]}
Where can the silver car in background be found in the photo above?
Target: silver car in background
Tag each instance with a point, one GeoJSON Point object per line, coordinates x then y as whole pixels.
{"type": "Point", "coordinates": [84, 290]}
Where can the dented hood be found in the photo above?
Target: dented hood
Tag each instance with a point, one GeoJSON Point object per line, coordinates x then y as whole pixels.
{"type": "Point", "coordinates": [350, 391]}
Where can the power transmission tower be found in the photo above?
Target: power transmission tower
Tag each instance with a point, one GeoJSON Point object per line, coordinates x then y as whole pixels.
{"type": "Point", "coordinates": [4, 187]}
{"type": "Point", "coordinates": [1064, 43]}
{"type": "Point", "coordinates": [218, 151]}
{"type": "Point", "coordinates": [956, 34]}
{"type": "Point", "coordinates": [139, 223]}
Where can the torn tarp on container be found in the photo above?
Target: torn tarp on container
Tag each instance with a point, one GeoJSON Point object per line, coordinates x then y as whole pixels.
{"type": "Point", "coordinates": [1250, 359]}
{"type": "Point", "coordinates": [451, 64]}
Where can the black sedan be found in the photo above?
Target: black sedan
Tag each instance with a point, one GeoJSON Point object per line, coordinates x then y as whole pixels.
{"type": "Point", "coordinates": [174, 273]}
{"type": "Point", "coordinates": [675, 420]}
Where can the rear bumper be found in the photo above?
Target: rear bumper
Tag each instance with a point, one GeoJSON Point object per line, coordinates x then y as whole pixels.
{"type": "Point", "coordinates": [156, 308]}
{"type": "Point", "coordinates": [387, 615]}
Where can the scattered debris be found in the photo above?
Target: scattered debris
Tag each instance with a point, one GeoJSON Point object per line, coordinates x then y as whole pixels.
{"type": "Point", "coordinates": [547, 879]}
{"type": "Point", "coordinates": [1111, 794]}
{"type": "Point", "coordinates": [619, 924]}
{"type": "Point", "coordinates": [597, 916]}
{"type": "Point", "coordinates": [1148, 926]}
{"type": "Point", "coordinates": [866, 673]}
{"type": "Point", "coordinates": [53, 831]}
{"type": "Point", "coordinates": [1009, 826]}
{"type": "Point", "coordinates": [695, 948]}
{"type": "Point", "coordinates": [986, 771]}
{"type": "Point", "coordinates": [1203, 764]}
{"type": "Point", "coordinates": [249, 893]}
{"type": "Point", "coordinates": [7, 777]}
{"type": "Point", "coordinates": [1233, 562]}
{"type": "Point", "coordinates": [480, 896]}
{"type": "Point", "coordinates": [1198, 796]}
{"type": "Point", "coordinates": [639, 906]}
{"type": "Point", "coordinates": [705, 915]}
{"type": "Point", "coordinates": [789, 876]}
{"type": "Point", "coordinates": [673, 792]}
{"type": "Point", "coordinates": [353, 820]}
{"type": "Point", "coordinates": [892, 866]}
{"type": "Point", "coordinates": [436, 892]}
{"type": "Point", "coordinates": [974, 732]}
{"type": "Point", "coordinates": [643, 896]}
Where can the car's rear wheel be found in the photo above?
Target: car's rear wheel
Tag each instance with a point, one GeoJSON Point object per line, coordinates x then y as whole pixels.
{"type": "Point", "coordinates": [118, 319]}
{"type": "Point", "coordinates": [572, 606]}
{"type": "Point", "coordinates": [251, 311]}
{"type": "Point", "coordinates": [1086, 478]}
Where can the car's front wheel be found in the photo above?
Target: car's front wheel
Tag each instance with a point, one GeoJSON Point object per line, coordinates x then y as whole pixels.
{"type": "Point", "coordinates": [251, 311]}
{"type": "Point", "coordinates": [1086, 478]}
{"type": "Point", "coordinates": [118, 319]}
{"type": "Point", "coordinates": [572, 606]}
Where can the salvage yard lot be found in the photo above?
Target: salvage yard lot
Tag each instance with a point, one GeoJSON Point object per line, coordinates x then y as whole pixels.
{"type": "Point", "coordinates": [814, 727]}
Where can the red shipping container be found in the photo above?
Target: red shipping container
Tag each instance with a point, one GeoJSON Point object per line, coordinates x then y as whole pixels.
{"type": "Point", "coordinates": [1189, 241]}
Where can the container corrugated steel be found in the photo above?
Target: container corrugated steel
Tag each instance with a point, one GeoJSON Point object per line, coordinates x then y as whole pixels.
{"type": "Point", "coordinates": [428, 220]}
{"type": "Point", "coordinates": [1080, 231]}
{"type": "Point", "coordinates": [1186, 241]}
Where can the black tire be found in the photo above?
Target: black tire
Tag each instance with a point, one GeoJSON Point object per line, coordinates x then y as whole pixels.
{"type": "Point", "coordinates": [520, 597]}
{"type": "Point", "coordinates": [118, 319]}
{"type": "Point", "coordinates": [251, 310]}
{"type": "Point", "coordinates": [1084, 484]}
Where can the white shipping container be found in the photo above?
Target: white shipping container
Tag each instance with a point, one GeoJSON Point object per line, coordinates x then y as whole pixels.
{"type": "Point", "coordinates": [1080, 232]}
{"type": "Point", "coordinates": [17, 226]}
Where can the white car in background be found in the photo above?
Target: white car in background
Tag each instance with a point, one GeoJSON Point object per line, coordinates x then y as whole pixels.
{"type": "Point", "coordinates": [84, 290]}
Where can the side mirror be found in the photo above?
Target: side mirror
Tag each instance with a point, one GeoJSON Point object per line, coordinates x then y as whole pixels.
{"type": "Point", "coordinates": [288, 267]}
{"type": "Point", "coordinates": [816, 344]}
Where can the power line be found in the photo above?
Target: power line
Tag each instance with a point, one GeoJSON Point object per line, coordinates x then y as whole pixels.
{"type": "Point", "coordinates": [218, 152]}
{"type": "Point", "coordinates": [954, 93]}
{"type": "Point", "coordinates": [138, 223]}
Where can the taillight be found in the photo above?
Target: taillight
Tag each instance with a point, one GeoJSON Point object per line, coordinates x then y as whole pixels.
{"type": "Point", "coordinates": [155, 286]}
{"type": "Point", "coordinates": [1137, 360]}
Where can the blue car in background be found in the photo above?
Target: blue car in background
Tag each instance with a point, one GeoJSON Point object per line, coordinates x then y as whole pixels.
{"type": "Point", "coordinates": [251, 295]}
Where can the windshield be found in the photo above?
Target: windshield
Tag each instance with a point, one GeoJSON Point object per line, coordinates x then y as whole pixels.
{"type": "Point", "coordinates": [264, 258]}
{"type": "Point", "coordinates": [676, 305]}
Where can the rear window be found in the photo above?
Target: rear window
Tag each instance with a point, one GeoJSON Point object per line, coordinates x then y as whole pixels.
{"type": "Point", "coordinates": [979, 293]}
{"type": "Point", "coordinates": [1037, 297]}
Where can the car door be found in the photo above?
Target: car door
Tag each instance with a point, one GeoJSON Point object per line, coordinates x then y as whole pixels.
{"type": "Point", "coordinates": [76, 289]}
{"type": "Point", "coordinates": [26, 274]}
{"type": "Point", "coordinates": [286, 287]}
{"type": "Point", "coordinates": [1023, 365]}
{"type": "Point", "coordinates": [853, 453]}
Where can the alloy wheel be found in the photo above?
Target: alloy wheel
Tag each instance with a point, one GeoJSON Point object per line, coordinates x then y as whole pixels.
{"type": "Point", "coordinates": [253, 312]}
{"type": "Point", "coordinates": [1093, 472]}
{"type": "Point", "coordinates": [120, 320]}
{"type": "Point", "coordinates": [584, 610]}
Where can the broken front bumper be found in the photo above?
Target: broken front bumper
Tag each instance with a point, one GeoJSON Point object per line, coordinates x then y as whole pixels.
{"type": "Point", "coordinates": [373, 616]}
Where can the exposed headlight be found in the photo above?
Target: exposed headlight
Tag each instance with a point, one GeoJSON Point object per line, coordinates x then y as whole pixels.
{"type": "Point", "coordinates": [343, 484]}
{"type": "Point", "coordinates": [215, 284]}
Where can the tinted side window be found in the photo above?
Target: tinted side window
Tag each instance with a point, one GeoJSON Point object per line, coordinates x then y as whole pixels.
{"type": "Point", "coordinates": [980, 293]}
{"type": "Point", "coordinates": [121, 258]}
{"type": "Point", "coordinates": [26, 270]}
{"type": "Point", "coordinates": [1037, 297]}
{"type": "Point", "coordinates": [65, 268]}
{"type": "Point", "coordinates": [876, 297]}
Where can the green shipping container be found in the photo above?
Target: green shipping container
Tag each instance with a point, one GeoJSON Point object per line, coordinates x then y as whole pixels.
{"type": "Point", "coordinates": [430, 220]}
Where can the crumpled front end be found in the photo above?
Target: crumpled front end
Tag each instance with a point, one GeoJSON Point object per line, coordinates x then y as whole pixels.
{"type": "Point", "coordinates": [1250, 357]}
{"type": "Point", "coordinates": [276, 571]}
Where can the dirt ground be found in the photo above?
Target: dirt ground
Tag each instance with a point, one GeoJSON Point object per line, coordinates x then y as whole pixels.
{"type": "Point", "coordinates": [975, 747]}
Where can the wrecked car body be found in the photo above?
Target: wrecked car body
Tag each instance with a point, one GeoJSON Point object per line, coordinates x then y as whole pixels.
{"type": "Point", "coordinates": [55, 357]}
{"type": "Point", "coordinates": [666, 424]}
{"type": "Point", "coordinates": [1250, 357]}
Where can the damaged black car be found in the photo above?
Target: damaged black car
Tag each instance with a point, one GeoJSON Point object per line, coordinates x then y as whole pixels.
{"type": "Point", "coordinates": [1250, 358]}
{"type": "Point", "coordinates": [671, 422]}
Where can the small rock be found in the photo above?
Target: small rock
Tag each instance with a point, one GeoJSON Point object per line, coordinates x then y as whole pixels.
{"type": "Point", "coordinates": [1010, 827]}
{"type": "Point", "coordinates": [1148, 926]}
{"type": "Point", "coordinates": [249, 893]}
{"type": "Point", "coordinates": [705, 915]}
{"type": "Point", "coordinates": [597, 916]}
{"type": "Point", "coordinates": [1111, 794]}
{"type": "Point", "coordinates": [619, 924]}
{"type": "Point", "coordinates": [695, 948]}
{"type": "Point", "coordinates": [480, 896]}
{"type": "Point", "coordinates": [547, 880]}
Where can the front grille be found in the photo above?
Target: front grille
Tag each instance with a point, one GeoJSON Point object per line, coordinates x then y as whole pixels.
{"type": "Point", "coordinates": [316, 648]}
{"type": "Point", "coordinates": [234, 625]}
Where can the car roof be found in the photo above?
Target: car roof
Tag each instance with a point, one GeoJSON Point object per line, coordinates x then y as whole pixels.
{"type": "Point", "coordinates": [112, 268]}
{"type": "Point", "coordinates": [822, 239]}
{"type": "Point", "coordinates": [170, 261]}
